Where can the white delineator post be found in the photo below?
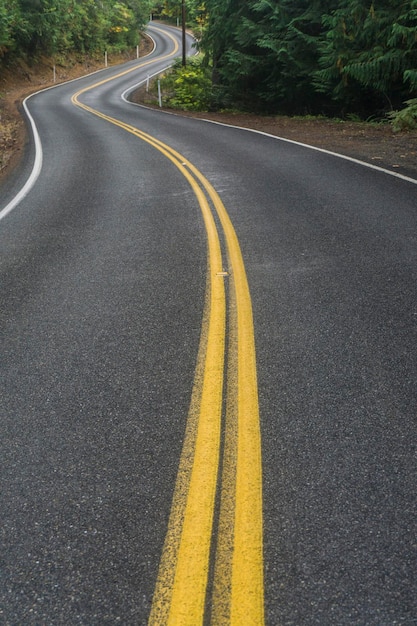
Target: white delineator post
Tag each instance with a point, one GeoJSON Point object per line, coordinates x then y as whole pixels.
{"type": "Point", "coordinates": [159, 94]}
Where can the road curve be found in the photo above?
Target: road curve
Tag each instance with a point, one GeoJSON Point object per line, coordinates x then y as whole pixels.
{"type": "Point", "coordinates": [104, 271]}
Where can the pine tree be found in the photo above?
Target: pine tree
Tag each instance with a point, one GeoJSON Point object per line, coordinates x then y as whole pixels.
{"type": "Point", "coordinates": [265, 52]}
{"type": "Point", "coordinates": [368, 56]}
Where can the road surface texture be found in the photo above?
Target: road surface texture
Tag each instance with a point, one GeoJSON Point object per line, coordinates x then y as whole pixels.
{"type": "Point", "coordinates": [149, 257]}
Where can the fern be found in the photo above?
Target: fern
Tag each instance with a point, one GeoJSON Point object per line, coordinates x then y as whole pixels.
{"type": "Point", "coordinates": [406, 119]}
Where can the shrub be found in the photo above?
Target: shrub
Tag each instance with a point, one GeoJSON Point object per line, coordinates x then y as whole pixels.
{"type": "Point", "coordinates": [406, 119]}
{"type": "Point", "coordinates": [187, 88]}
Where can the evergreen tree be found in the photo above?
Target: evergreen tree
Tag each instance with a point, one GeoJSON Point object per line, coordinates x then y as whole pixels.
{"type": "Point", "coordinates": [368, 57]}
{"type": "Point", "coordinates": [265, 52]}
{"type": "Point", "coordinates": [231, 60]}
{"type": "Point", "coordinates": [313, 56]}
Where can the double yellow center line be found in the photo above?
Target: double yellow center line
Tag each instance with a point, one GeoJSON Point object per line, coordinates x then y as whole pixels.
{"type": "Point", "coordinates": [214, 490]}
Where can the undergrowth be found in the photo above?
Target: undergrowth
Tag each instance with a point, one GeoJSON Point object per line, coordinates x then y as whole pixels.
{"type": "Point", "coordinates": [187, 87]}
{"type": "Point", "coordinates": [405, 119]}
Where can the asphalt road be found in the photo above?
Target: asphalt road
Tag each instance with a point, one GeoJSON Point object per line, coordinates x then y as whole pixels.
{"type": "Point", "coordinates": [103, 270]}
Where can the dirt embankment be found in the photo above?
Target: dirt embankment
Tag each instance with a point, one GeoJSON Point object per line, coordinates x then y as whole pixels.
{"type": "Point", "coordinates": [376, 144]}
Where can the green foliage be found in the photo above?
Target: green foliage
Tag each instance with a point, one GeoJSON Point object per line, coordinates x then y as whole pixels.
{"type": "Point", "coordinates": [187, 88]}
{"type": "Point", "coordinates": [264, 52]}
{"type": "Point", "coordinates": [29, 28]}
{"type": "Point", "coordinates": [406, 119]}
{"type": "Point", "coordinates": [337, 57]}
{"type": "Point", "coordinates": [122, 32]}
{"type": "Point", "coordinates": [313, 56]}
{"type": "Point", "coordinates": [171, 11]}
{"type": "Point", "coordinates": [9, 16]}
{"type": "Point", "coordinates": [366, 51]}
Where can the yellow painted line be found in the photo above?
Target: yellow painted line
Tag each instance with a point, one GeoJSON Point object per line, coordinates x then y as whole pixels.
{"type": "Point", "coordinates": [173, 53]}
{"type": "Point", "coordinates": [247, 588]}
{"type": "Point", "coordinates": [222, 575]}
{"type": "Point", "coordinates": [161, 604]}
{"type": "Point", "coordinates": [181, 587]}
{"type": "Point", "coordinates": [186, 571]}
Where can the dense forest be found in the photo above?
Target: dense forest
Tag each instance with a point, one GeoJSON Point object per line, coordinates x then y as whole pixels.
{"type": "Point", "coordinates": [333, 57]}
{"type": "Point", "coordinates": [30, 28]}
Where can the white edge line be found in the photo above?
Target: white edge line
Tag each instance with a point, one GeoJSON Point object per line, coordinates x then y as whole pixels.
{"type": "Point", "coordinates": [278, 138]}
{"type": "Point", "coordinates": [127, 91]}
{"type": "Point", "coordinates": [125, 94]}
{"type": "Point", "coordinates": [306, 145]}
{"type": "Point", "coordinates": [37, 165]}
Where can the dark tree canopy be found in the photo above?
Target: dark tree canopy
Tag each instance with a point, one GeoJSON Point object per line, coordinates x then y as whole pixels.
{"type": "Point", "coordinates": [313, 56]}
